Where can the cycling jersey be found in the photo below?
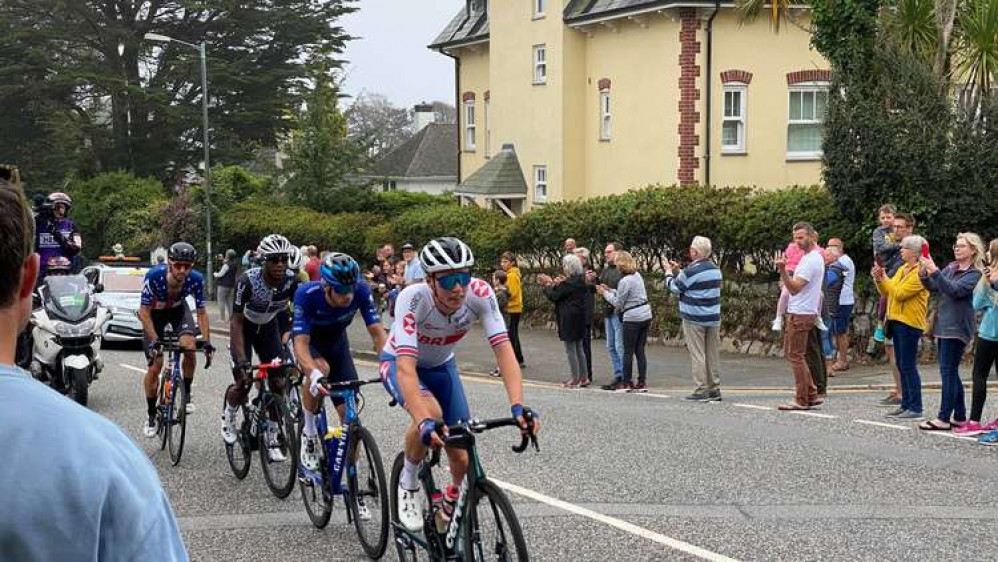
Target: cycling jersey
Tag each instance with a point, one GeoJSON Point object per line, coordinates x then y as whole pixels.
{"type": "Point", "coordinates": [422, 331]}
{"type": "Point", "coordinates": [258, 301]}
{"type": "Point", "coordinates": [315, 317]}
{"type": "Point", "coordinates": [155, 293]}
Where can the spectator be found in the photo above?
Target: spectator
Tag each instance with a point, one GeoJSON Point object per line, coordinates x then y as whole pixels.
{"type": "Point", "coordinates": [568, 292]}
{"type": "Point", "coordinates": [793, 255]}
{"type": "Point", "coordinates": [84, 492]}
{"type": "Point", "coordinates": [312, 265]}
{"type": "Point", "coordinates": [250, 259]}
{"type": "Point", "coordinates": [385, 253]}
{"type": "Point", "coordinates": [907, 304]}
{"type": "Point", "coordinates": [515, 307]}
{"type": "Point", "coordinates": [699, 290]}
{"type": "Point", "coordinates": [986, 354]}
{"type": "Point", "coordinates": [831, 290]}
{"type": "Point", "coordinates": [587, 339]}
{"type": "Point", "coordinates": [413, 269]}
{"type": "Point", "coordinates": [225, 278]}
{"type": "Point", "coordinates": [499, 278]}
{"type": "Point", "coordinates": [847, 300]}
{"type": "Point", "coordinates": [955, 323]}
{"type": "Point", "coordinates": [802, 307]}
{"type": "Point", "coordinates": [630, 301]}
{"type": "Point", "coordinates": [613, 327]}
{"type": "Point", "coordinates": [569, 245]}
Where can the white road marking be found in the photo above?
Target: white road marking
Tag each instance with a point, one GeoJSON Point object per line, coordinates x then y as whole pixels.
{"type": "Point", "coordinates": [952, 435]}
{"type": "Point", "coordinates": [618, 523]}
{"type": "Point", "coordinates": [652, 394]}
{"type": "Point", "coordinates": [881, 424]}
{"type": "Point", "coordinates": [133, 368]}
{"type": "Point", "coordinates": [751, 406]}
{"type": "Point", "coordinates": [813, 414]}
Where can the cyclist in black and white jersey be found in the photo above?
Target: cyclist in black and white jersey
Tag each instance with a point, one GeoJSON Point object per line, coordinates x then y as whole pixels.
{"type": "Point", "coordinates": [261, 299]}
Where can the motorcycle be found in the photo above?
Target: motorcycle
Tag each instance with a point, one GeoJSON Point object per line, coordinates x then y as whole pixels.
{"type": "Point", "coordinates": [67, 330]}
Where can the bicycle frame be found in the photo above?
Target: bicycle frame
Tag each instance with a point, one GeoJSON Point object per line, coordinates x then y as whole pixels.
{"type": "Point", "coordinates": [336, 445]}
{"type": "Point", "coordinates": [174, 377]}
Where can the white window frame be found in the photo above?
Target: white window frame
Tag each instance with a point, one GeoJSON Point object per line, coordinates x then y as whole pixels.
{"type": "Point", "coordinates": [540, 66]}
{"type": "Point", "coordinates": [742, 91]}
{"type": "Point", "coordinates": [539, 8]}
{"type": "Point", "coordinates": [605, 115]}
{"type": "Point", "coordinates": [488, 132]}
{"type": "Point", "coordinates": [806, 87]}
{"type": "Point", "coordinates": [540, 184]}
{"type": "Point", "coordinates": [469, 126]}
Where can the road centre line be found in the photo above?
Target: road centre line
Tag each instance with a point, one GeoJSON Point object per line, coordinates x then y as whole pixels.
{"type": "Point", "coordinates": [659, 538]}
{"type": "Point", "coordinates": [751, 406]}
{"type": "Point", "coordinates": [881, 424]}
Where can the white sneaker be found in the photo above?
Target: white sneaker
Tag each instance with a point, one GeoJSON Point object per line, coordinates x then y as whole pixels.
{"type": "Point", "coordinates": [149, 429]}
{"type": "Point", "coordinates": [778, 324]}
{"type": "Point", "coordinates": [309, 453]}
{"type": "Point", "coordinates": [362, 511]}
{"type": "Point", "coordinates": [410, 514]}
{"type": "Point", "coordinates": [190, 408]}
{"type": "Point", "coordinates": [273, 446]}
{"type": "Point", "coordinates": [821, 325]}
{"type": "Point", "coordinates": [228, 431]}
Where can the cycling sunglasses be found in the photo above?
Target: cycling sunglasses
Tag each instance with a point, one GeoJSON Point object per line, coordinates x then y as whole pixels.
{"type": "Point", "coordinates": [341, 289]}
{"type": "Point", "coordinates": [276, 258]}
{"type": "Point", "coordinates": [451, 280]}
{"type": "Point", "coordinates": [180, 266]}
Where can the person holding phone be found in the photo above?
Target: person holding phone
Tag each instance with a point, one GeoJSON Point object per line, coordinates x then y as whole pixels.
{"type": "Point", "coordinates": [986, 352]}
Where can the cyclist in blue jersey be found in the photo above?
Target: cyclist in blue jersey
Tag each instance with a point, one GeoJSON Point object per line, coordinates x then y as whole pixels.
{"type": "Point", "coordinates": [323, 310]}
{"type": "Point", "coordinates": [164, 303]}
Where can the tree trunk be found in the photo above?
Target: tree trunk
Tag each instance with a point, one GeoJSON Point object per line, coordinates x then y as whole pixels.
{"type": "Point", "coordinates": [945, 19]}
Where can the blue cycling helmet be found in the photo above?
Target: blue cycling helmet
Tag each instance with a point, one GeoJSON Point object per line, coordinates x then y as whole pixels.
{"type": "Point", "coordinates": [339, 270]}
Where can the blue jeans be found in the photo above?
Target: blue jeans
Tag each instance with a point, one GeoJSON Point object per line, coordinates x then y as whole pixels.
{"type": "Point", "coordinates": [952, 404]}
{"type": "Point", "coordinates": [827, 341]}
{"type": "Point", "coordinates": [906, 357]}
{"type": "Point", "coordinates": [615, 344]}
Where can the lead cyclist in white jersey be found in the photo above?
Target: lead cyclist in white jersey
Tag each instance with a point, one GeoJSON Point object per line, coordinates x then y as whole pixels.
{"type": "Point", "coordinates": [418, 367]}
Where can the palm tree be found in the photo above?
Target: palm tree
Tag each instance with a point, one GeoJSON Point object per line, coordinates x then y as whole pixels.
{"type": "Point", "coordinates": [912, 25]}
{"type": "Point", "coordinates": [976, 53]}
{"type": "Point", "coordinates": [779, 11]}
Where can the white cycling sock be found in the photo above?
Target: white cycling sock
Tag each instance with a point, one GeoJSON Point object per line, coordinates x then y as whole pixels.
{"type": "Point", "coordinates": [408, 480]}
{"type": "Point", "coordinates": [309, 430]}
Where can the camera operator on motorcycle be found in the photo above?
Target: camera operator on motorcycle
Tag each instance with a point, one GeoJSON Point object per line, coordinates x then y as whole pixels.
{"type": "Point", "coordinates": [55, 233]}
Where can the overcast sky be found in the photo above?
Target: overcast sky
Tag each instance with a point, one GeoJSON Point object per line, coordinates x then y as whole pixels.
{"type": "Point", "coordinates": [390, 55]}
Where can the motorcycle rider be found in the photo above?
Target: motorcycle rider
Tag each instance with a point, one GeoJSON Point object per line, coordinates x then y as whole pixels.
{"type": "Point", "coordinates": [55, 233]}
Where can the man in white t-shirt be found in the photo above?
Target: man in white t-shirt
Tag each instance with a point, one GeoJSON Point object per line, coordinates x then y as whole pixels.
{"type": "Point", "coordinates": [847, 299]}
{"type": "Point", "coordinates": [803, 310]}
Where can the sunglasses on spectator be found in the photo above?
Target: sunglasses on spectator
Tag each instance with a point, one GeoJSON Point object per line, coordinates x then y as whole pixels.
{"type": "Point", "coordinates": [180, 266]}
{"type": "Point", "coordinates": [451, 280]}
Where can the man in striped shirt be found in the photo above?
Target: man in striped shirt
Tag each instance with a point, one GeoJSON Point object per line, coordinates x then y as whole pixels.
{"type": "Point", "coordinates": [699, 290]}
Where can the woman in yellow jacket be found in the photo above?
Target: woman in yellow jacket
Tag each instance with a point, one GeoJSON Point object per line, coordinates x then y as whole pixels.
{"type": "Point", "coordinates": [515, 306]}
{"type": "Point", "coordinates": [907, 306]}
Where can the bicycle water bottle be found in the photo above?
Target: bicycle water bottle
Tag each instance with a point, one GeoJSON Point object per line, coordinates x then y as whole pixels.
{"type": "Point", "coordinates": [437, 501]}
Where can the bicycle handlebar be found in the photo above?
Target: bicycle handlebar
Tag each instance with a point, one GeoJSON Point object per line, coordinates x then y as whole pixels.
{"type": "Point", "coordinates": [455, 433]}
{"type": "Point", "coordinates": [344, 385]}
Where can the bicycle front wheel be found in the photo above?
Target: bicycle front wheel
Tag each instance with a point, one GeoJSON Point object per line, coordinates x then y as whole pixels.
{"type": "Point", "coordinates": [492, 531]}
{"type": "Point", "coordinates": [176, 425]}
{"type": "Point", "coordinates": [238, 453]}
{"type": "Point", "coordinates": [279, 475]}
{"type": "Point", "coordinates": [315, 495]}
{"type": "Point", "coordinates": [368, 493]}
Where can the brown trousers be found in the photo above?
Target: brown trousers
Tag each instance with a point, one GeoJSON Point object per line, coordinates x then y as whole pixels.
{"type": "Point", "coordinates": [795, 343]}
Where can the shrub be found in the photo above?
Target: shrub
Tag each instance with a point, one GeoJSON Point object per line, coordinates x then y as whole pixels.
{"type": "Point", "coordinates": [101, 204]}
{"type": "Point", "coordinates": [246, 223]}
{"type": "Point", "coordinates": [487, 232]}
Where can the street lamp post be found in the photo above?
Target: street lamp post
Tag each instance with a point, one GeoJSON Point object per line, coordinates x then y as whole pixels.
{"type": "Point", "coordinates": [200, 47]}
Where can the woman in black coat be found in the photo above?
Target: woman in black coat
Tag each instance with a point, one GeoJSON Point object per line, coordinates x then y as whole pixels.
{"type": "Point", "coordinates": [569, 293]}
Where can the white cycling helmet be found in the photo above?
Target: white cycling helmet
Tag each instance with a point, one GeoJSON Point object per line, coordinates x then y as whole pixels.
{"type": "Point", "coordinates": [297, 259]}
{"type": "Point", "coordinates": [445, 253]}
{"type": "Point", "coordinates": [275, 245]}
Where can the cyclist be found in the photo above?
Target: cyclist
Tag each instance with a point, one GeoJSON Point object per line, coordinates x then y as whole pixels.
{"type": "Point", "coordinates": [418, 366]}
{"type": "Point", "coordinates": [261, 298]}
{"type": "Point", "coordinates": [164, 303]}
{"type": "Point", "coordinates": [323, 310]}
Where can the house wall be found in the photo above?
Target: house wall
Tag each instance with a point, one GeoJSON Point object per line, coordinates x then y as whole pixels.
{"type": "Point", "coordinates": [426, 185]}
{"type": "Point", "coordinates": [474, 79]}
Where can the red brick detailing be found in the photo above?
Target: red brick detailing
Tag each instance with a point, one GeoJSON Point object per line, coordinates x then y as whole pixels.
{"type": "Point", "coordinates": [603, 84]}
{"type": "Point", "coordinates": [689, 94]}
{"type": "Point", "coordinates": [743, 76]}
{"type": "Point", "coordinates": [486, 95]}
{"type": "Point", "coordinates": [814, 75]}
{"type": "Point", "coordinates": [468, 96]}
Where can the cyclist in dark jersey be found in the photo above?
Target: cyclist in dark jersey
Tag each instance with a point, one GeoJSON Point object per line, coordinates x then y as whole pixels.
{"type": "Point", "coordinates": [164, 303]}
{"type": "Point", "coordinates": [261, 299]}
{"type": "Point", "coordinates": [323, 310]}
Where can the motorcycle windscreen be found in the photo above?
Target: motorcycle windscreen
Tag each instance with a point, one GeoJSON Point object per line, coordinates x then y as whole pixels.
{"type": "Point", "coordinates": [68, 297]}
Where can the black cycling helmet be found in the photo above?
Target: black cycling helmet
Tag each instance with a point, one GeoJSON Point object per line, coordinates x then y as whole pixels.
{"type": "Point", "coordinates": [182, 252]}
{"type": "Point", "coordinates": [339, 270]}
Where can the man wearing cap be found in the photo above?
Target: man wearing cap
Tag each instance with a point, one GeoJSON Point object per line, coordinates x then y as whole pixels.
{"type": "Point", "coordinates": [413, 270]}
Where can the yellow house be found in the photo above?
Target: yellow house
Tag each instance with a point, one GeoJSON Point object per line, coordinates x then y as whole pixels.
{"type": "Point", "coordinates": [600, 96]}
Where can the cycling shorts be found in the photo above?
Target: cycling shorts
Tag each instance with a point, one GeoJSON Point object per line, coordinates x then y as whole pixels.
{"type": "Point", "coordinates": [336, 352]}
{"type": "Point", "coordinates": [442, 382]}
{"type": "Point", "coordinates": [262, 338]}
{"type": "Point", "coordinates": [283, 320]}
{"type": "Point", "coordinates": [179, 318]}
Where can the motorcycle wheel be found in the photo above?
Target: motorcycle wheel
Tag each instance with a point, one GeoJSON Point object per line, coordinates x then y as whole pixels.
{"type": "Point", "coordinates": [80, 386]}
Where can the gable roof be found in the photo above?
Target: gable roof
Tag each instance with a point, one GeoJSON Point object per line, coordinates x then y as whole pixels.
{"type": "Point", "coordinates": [500, 176]}
{"type": "Point", "coordinates": [470, 25]}
{"type": "Point", "coordinates": [432, 152]}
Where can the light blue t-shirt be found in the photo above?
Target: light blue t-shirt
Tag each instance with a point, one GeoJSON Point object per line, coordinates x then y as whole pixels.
{"type": "Point", "coordinates": [74, 487]}
{"type": "Point", "coordinates": [413, 272]}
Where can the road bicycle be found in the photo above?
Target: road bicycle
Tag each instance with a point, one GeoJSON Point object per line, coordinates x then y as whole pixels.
{"type": "Point", "coordinates": [483, 525]}
{"type": "Point", "coordinates": [171, 413]}
{"type": "Point", "coordinates": [253, 422]}
{"type": "Point", "coordinates": [348, 448]}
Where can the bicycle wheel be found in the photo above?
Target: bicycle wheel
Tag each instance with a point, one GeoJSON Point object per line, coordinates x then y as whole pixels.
{"type": "Point", "coordinates": [163, 412]}
{"type": "Point", "coordinates": [492, 531]}
{"type": "Point", "coordinates": [366, 483]}
{"type": "Point", "coordinates": [238, 453]}
{"type": "Point", "coordinates": [176, 425]}
{"type": "Point", "coordinates": [315, 495]}
{"type": "Point", "coordinates": [407, 549]}
{"type": "Point", "coordinates": [280, 475]}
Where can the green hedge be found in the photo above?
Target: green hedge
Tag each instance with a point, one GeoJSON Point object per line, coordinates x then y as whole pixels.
{"type": "Point", "coordinates": [245, 224]}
